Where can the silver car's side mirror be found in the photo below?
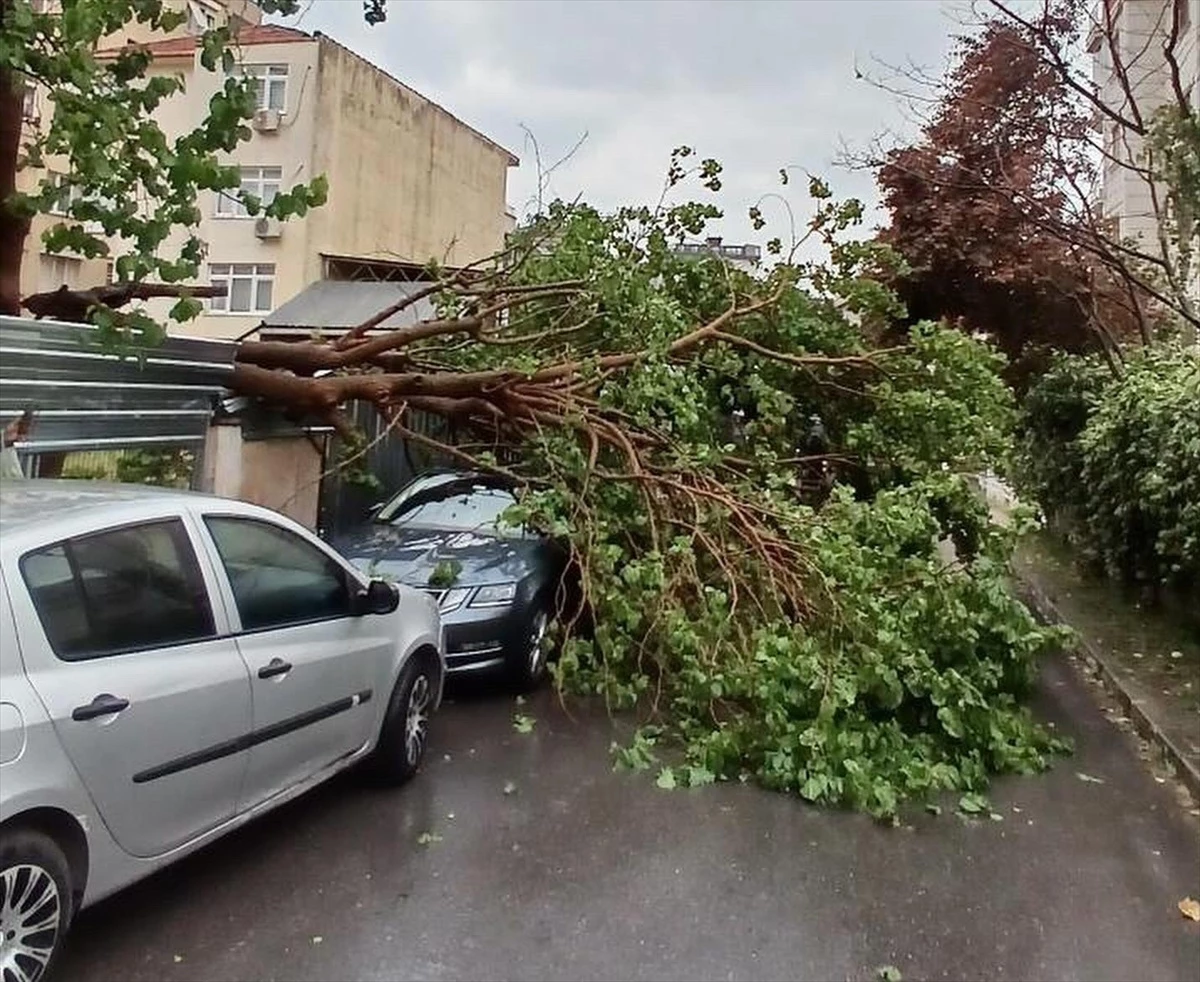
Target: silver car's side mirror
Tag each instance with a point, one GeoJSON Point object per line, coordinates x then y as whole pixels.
{"type": "Point", "coordinates": [380, 597]}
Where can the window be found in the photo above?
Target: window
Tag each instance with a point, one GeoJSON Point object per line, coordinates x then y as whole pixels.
{"type": "Point", "coordinates": [269, 83]}
{"type": "Point", "coordinates": [248, 287]}
{"type": "Point", "coordinates": [123, 590]}
{"type": "Point", "coordinates": [68, 194]}
{"type": "Point", "coordinates": [55, 271]}
{"type": "Point", "coordinates": [262, 182]}
{"type": "Point", "coordinates": [29, 105]}
{"type": "Point", "coordinates": [277, 578]}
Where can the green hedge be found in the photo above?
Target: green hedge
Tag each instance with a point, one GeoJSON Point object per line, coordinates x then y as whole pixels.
{"type": "Point", "coordinates": [1115, 463]}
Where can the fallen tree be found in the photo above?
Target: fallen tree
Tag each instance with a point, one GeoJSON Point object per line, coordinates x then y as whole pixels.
{"type": "Point", "coordinates": [757, 490]}
{"type": "Point", "coordinates": [770, 593]}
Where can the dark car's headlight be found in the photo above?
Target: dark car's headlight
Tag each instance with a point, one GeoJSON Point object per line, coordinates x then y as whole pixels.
{"type": "Point", "coordinates": [496, 595]}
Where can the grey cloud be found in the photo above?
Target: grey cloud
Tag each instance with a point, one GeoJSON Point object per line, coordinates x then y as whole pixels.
{"type": "Point", "coordinates": [759, 84]}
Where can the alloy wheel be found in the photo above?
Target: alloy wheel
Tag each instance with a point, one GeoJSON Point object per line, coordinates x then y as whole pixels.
{"type": "Point", "coordinates": [537, 652]}
{"type": "Point", "coordinates": [416, 720]}
{"type": "Point", "coordinates": [30, 922]}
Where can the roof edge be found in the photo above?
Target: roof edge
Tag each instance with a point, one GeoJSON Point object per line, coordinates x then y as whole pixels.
{"type": "Point", "coordinates": [513, 159]}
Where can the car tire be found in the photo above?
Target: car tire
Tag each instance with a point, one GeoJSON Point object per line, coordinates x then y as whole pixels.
{"type": "Point", "coordinates": [32, 866]}
{"type": "Point", "coordinates": [405, 732]}
{"type": "Point", "coordinates": [530, 660]}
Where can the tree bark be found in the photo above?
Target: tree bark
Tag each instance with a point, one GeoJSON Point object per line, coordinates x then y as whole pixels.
{"type": "Point", "coordinates": [14, 228]}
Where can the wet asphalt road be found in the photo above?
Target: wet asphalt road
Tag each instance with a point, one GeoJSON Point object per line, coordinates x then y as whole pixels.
{"type": "Point", "coordinates": [583, 873]}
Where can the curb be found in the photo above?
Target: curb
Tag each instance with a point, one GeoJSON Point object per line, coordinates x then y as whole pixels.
{"type": "Point", "coordinates": [1185, 769]}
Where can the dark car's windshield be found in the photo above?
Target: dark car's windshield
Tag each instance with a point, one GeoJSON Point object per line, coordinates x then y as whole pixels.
{"type": "Point", "coordinates": [450, 504]}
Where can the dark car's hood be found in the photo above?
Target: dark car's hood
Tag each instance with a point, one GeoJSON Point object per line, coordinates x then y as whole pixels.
{"type": "Point", "coordinates": [410, 555]}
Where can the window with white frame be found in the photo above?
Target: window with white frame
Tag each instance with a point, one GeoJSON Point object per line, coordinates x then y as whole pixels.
{"type": "Point", "coordinates": [29, 105]}
{"type": "Point", "coordinates": [270, 85]}
{"type": "Point", "coordinates": [248, 287]}
{"type": "Point", "coordinates": [68, 194]}
{"type": "Point", "coordinates": [55, 271]}
{"type": "Point", "coordinates": [262, 182]}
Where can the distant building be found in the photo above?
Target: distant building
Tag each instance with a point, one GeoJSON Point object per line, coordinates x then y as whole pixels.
{"type": "Point", "coordinates": [408, 181]}
{"type": "Point", "coordinates": [744, 257]}
{"type": "Point", "coordinates": [1141, 27]}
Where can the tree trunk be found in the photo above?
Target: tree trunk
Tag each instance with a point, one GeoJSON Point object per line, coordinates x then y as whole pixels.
{"type": "Point", "coordinates": [14, 228]}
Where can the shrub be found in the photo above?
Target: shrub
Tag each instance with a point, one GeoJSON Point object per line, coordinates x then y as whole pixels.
{"type": "Point", "coordinates": [1117, 461]}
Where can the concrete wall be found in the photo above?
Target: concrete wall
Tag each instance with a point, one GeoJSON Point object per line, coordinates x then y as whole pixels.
{"type": "Point", "coordinates": [281, 473]}
{"type": "Point", "coordinates": [407, 179]}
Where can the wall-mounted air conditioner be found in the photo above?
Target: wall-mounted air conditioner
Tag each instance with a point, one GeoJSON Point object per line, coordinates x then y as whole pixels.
{"type": "Point", "coordinates": [266, 120]}
{"type": "Point", "coordinates": [267, 228]}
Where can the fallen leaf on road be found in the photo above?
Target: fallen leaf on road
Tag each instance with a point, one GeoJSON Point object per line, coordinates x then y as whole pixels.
{"type": "Point", "coordinates": [317, 939]}
{"type": "Point", "coordinates": [1088, 779]}
{"type": "Point", "coordinates": [972, 804]}
{"type": "Point", "coordinates": [523, 723]}
{"type": "Point", "coordinates": [1176, 654]}
{"type": "Point", "coordinates": [933, 809]}
{"type": "Point", "coordinates": [666, 779]}
{"type": "Point", "coordinates": [427, 838]}
{"type": "Point", "coordinates": [509, 787]}
{"type": "Point", "coordinates": [1190, 908]}
{"type": "Point", "coordinates": [888, 973]}
{"type": "Point", "coordinates": [178, 959]}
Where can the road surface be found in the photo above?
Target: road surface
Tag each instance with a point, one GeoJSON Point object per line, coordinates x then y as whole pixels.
{"type": "Point", "coordinates": [582, 873]}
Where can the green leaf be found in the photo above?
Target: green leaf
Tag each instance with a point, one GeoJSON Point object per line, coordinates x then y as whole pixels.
{"type": "Point", "coordinates": [666, 779]}
{"type": "Point", "coordinates": [523, 723]}
{"type": "Point", "coordinates": [973, 804]}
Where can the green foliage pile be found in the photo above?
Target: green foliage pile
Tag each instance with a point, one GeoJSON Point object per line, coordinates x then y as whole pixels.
{"type": "Point", "coordinates": [831, 621]}
{"type": "Point", "coordinates": [1117, 462]}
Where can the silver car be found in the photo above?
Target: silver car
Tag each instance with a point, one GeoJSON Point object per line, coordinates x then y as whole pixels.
{"type": "Point", "coordinates": [171, 666]}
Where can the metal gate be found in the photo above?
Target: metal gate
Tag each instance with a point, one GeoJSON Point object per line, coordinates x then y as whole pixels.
{"type": "Point", "coordinates": [103, 414]}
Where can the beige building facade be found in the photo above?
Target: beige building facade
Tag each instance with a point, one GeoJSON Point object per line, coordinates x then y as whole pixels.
{"type": "Point", "coordinates": [408, 181]}
{"type": "Point", "coordinates": [1141, 28]}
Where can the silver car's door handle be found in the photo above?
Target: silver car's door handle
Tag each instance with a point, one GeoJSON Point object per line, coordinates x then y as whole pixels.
{"type": "Point", "coordinates": [276, 666]}
{"type": "Point", "coordinates": [103, 705]}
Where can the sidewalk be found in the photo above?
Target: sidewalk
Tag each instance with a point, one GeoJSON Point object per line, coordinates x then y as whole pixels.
{"type": "Point", "coordinates": [1148, 661]}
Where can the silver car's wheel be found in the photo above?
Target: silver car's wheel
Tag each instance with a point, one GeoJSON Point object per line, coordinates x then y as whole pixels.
{"type": "Point", "coordinates": [405, 733]}
{"type": "Point", "coordinates": [35, 905]}
{"type": "Point", "coordinates": [30, 922]}
{"type": "Point", "coordinates": [416, 719]}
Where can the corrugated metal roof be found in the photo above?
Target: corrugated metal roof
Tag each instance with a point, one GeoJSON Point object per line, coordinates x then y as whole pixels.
{"type": "Point", "coordinates": [338, 305]}
{"type": "Point", "coordinates": [86, 399]}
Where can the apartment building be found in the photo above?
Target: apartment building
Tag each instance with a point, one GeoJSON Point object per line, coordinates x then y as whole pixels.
{"type": "Point", "coordinates": [747, 258]}
{"type": "Point", "coordinates": [408, 181]}
{"type": "Point", "coordinates": [1140, 30]}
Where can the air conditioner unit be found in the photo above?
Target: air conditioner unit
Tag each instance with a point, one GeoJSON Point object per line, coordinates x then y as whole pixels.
{"type": "Point", "coordinates": [266, 120]}
{"type": "Point", "coordinates": [267, 228]}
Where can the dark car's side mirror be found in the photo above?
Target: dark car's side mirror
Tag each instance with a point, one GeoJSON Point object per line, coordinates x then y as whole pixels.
{"type": "Point", "coordinates": [380, 597]}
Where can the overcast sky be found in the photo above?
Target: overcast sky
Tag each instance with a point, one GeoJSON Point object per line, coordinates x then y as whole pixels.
{"type": "Point", "coordinates": [758, 84]}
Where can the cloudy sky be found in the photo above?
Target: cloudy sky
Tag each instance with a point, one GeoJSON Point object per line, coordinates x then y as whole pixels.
{"type": "Point", "coordinates": [758, 84]}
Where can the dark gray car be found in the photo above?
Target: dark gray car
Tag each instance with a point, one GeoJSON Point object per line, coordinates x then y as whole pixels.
{"type": "Point", "coordinates": [498, 588]}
